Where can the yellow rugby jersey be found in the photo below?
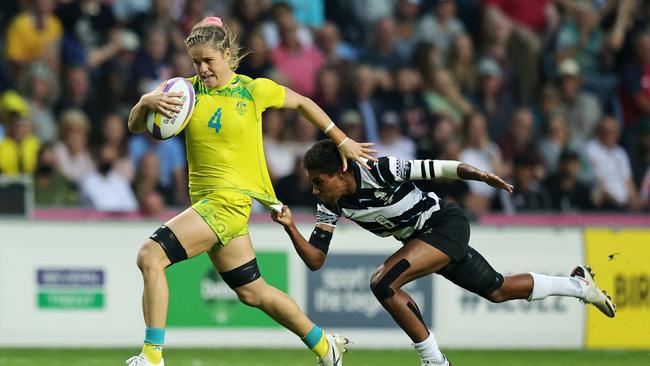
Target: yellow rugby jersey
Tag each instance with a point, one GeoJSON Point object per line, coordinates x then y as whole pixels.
{"type": "Point", "coordinates": [224, 137]}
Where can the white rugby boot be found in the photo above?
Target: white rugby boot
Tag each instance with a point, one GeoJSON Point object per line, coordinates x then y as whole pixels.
{"type": "Point", "coordinates": [337, 347]}
{"type": "Point", "coordinates": [445, 362]}
{"type": "Point", "coordinates": [141, 360]}
{"type": "Point", "coordinates": [591, 294]}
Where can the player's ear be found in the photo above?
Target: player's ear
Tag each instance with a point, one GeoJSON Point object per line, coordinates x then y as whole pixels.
{"type": "Point", "coordinates": [227, 55]}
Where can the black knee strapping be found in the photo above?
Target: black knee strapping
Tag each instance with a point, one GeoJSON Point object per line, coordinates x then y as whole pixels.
{"type": "Point", "coordinates": [170, 244]}
{"type": "Point", "coordinates": [474, 273]}
{"type": "Point", "coordinates": [242, 275]}
{"type": "Point", "coordinates": [382, 288]}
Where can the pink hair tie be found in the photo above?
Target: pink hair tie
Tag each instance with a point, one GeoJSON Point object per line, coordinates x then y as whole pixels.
{"type": "Point", "coordinates": [212, 21]}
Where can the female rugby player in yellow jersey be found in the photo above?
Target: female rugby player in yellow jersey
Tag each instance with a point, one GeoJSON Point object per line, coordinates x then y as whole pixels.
{"type": "Point", "coordinates": [227, 169]}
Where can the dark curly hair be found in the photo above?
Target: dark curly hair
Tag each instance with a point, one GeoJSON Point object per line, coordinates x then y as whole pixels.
{"type": "Point", "coordinates": [323, 156]}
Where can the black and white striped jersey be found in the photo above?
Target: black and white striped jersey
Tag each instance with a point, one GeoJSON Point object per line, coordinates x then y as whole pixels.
{"type": "Point", "coordinates": [385, 201]}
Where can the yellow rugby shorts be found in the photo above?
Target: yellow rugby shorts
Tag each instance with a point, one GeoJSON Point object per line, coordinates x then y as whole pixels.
{"type": "Point", "coordinates": [226, 212]}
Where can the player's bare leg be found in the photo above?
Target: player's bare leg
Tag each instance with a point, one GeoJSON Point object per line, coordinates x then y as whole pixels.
{"type": "Point", "coordinates": [195, 237]}
{"type": "Point", "coordinates": [238, 256]}
{"type": "Point", "coordinates": [415, 259]}
{"type": "Point", "coordinates": [258, 293]}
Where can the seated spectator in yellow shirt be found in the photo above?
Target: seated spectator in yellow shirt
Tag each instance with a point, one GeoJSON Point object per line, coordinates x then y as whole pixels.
{"type": "Point", "coordinates": [34, 34]}
{"type": "Point", "coordinates": [19, 148]}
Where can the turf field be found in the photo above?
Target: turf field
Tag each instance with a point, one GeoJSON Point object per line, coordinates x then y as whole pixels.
{"type": "Point", "coordinates": [256, 357]}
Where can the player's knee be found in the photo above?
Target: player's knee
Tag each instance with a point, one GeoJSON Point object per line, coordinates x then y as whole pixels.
{"type": "Point", "coordinates": [382, 281]}
{"type": "Point", "coordinates": [150, 257]}
{"type": "Point", "coordinates": [250, 296]}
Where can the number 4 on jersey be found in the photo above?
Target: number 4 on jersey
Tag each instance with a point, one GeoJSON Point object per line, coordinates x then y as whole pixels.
{"type": "Point", "coordinates": [215, 121]}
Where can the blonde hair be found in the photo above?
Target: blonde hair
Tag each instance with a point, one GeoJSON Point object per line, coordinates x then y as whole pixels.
{"type": "Point", "coordinates": [219, 37]}
{"type": "Point", "coordinates": [71, 118]}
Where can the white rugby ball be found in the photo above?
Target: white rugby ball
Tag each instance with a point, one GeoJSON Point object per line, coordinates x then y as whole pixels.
{"type": "Point", "coordinates": [162, 127]}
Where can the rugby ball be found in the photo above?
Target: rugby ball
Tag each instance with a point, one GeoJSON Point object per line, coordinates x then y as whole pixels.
{"type": "Point", "coordinates": [162, 127]}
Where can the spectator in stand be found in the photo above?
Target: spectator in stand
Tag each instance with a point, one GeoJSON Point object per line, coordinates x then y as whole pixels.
{"type": "Point", "coordinates": [282, 17]}
{"type": "Point", "coordinates": [567, 193]}
{"type": "Point", "coordinates": [549, 105]}
{"type": "Point", "coordinates": [173, 181]}
{"type": "Point", "coordinates": [248, 13]}
{"type": "Point", "coordinates": [91, 36]}
{"type": "Point", "coordinates": [427, 59]}
{"type": "Point", "coordinates": [483, 154]}
{"type": "Point", "coordinates": [431, 146]}
{"type": "Point", "coordinates": [299, 63]}
{"type": "Point", "coordinates": [277, 149]}
{"type": "Point", "coordinates": [257, 63]}
{"type": "Point", "coordinates": [335, 51]}
{"type": "Point", "coordinates": [351, 123]}
{"type": "Point", "coordinates": [162, 14]}
{"type": "Point", "coordinates": [580, 108]}
{"type": "Point", "coordinates": [146, 186]}
{"type": "Point", "coordinates": [151, 66]}
{"type": "Point", "coordinates": [580, 38]}
{"type": "Point", "coordinates": [71, 150]}
{"type": "Point", "coordinates": [491, 99]}
{"type": "Point", "coordinates": [104, 189]}
{"type": "Point", "coordinates": [34, 34]}
{"type": "Point", "coordinates": [113, 133]}
{"type": "Point", "coordinates": [359, 16]}
{"type": "Point", "coordinates": [296, 189]}
{"type": "Point", "coordinates": [19, 147]}
{"type": "Point", "coordinates": [529, 194]}
{"type": "Point", "coordinates": [528, 21]}
{"type": "Point", "coordinates": [635, 84]}
{"type": "Point", "coordinates": [50, 187]}
{"type": "Point", "coordinates": [365, 103]}
{"type": "Point", "coordinates": [441, 26]}
{"type": "Point", "coordinates": [391, 140]}
{"type": "Point", "coordinates": [76, 92]}
{"type": "Point", "coordinates": [193, 13]}
{"type": "Point", "coordinates": [384, 52]}
{"type": "Point", "coordinates": [409, 101]}
{"type": "Point", "coordinates": [114, 94]}
{"type": "Point", "coordinates": [519, 140]}
{"type": "Point", "coordinates": [497, 31]}
{"type": "Point", "coordinates": [614, 187]}
{"type": "Point", "coordinates": [329, 93]}
{"type": "Point", "coordinates": [40, 85]}
{"type": "Point", "coordinates": [462, 64]}
{"type": "Point", "coordinates": [406, 16]}
{"type": "Point", "coordinates": [554, 141]}
{"type": "Point", "coordinates": [443, 97]}
{"type": "Point", "coordinates": [304, 135]}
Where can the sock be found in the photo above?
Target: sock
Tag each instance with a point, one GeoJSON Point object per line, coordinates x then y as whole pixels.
{"type": "Point", "coordinates": [154, 339]}
{"type": "Point", "coordinates": [544, 286]}
{"type": "Point", "coordinates": [316, 341]}
{"type": "Point", "coordinates": [428, 349]}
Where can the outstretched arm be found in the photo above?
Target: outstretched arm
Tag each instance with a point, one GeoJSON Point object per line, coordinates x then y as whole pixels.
{"type": "Point", "coordinates": [431, 169]}
{"type": "Point", "coordinates": [348, 148]}
{"type": "Point", "coordinates": [312, 252]}
{"type": "Point", "coordinates": [466, 171]}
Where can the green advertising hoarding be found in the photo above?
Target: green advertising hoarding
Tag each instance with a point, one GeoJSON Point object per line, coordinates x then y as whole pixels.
{"type": "Point", "coordinates": [198, 297]}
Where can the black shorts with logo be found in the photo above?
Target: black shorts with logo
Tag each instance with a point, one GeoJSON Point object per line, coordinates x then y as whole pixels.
{"type": "Point", "coordinates": [449, 232]}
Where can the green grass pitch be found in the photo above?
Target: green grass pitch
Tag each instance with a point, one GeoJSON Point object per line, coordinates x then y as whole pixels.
{"type": "Point", "coordinates": [296, 357]}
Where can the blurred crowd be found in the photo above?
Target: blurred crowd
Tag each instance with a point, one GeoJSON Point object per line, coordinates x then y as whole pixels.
{"type": "Point", "coordinates": [553, 95]}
